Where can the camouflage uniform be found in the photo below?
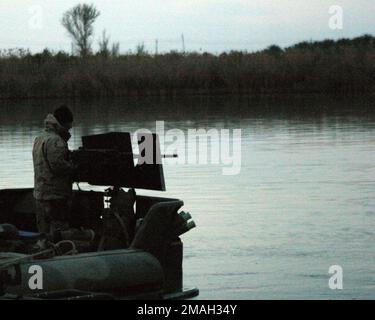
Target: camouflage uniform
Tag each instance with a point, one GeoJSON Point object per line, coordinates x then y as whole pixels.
{"type": "Point", "coordinates": [53, 174]}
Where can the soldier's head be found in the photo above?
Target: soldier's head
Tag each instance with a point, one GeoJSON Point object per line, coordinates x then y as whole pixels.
{"type": "Point", "coordinates": [64, 116]}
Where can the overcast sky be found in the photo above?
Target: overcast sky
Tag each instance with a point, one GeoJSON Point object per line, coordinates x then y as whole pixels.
{"type": "Point", "coordinates": [208, 25]}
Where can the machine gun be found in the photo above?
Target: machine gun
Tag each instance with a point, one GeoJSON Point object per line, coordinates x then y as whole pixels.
{"type": "Point", "coordinates": [108, 160]}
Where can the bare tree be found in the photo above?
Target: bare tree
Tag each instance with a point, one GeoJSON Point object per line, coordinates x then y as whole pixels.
{"type": "Point", "coordinates": [104, 45]}
{"type": "Point", "coordinates": [79, 21]}
{"type": "Point", "coordinates": [141, 49]}
{"type": "Point", "coordinates": [115, 52]}
{"type": "Point", "coordinates": [104, 49]}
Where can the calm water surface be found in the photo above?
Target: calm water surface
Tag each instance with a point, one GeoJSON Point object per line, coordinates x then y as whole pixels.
{"type": "Point", "coordinates": [303, 201]}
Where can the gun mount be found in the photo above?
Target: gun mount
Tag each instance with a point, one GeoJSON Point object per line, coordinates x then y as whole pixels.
{"type": "Point", "coordinates": [108, 160]}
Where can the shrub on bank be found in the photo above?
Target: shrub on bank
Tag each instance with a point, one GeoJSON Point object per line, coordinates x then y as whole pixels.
{"type": "Point", "coordinates": [341, 67]}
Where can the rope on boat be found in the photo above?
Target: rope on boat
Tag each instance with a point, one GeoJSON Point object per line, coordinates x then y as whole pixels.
{"type": "Point", "coordinates": [56, 249]}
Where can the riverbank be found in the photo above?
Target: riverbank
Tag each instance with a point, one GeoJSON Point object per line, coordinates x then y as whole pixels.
{"type": "Point", "coordinates": [328, 67]}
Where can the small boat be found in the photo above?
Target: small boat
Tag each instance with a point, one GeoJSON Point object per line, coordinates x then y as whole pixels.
{"type": "Point", "coordinates": [120, 245]}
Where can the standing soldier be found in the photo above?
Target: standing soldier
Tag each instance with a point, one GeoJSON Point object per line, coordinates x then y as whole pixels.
{"type": "Point", "coordinates": [53, 172]}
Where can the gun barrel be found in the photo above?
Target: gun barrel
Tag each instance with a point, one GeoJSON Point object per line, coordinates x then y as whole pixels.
{"type": "Point", "coordinates": [164, 156]}
{"type": "Point", "coordinates": [169, 156]}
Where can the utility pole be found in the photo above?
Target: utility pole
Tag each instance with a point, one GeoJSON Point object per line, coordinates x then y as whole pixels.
{"type": "Point", "coordinates": [183, 43]}
{"type": "Point", "coordinates": [156, 47]}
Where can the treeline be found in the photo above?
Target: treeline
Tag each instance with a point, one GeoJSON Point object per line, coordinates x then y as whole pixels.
{"type": "Point", "coordinates": [345, 66]}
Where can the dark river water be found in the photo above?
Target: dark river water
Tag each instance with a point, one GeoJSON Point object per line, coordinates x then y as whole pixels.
{"type": "Point", "coordinates": [304, 198]}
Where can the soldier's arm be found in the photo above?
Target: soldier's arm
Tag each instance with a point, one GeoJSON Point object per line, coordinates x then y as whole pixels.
{"type": "Point", "coordinates": [57, 154]}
